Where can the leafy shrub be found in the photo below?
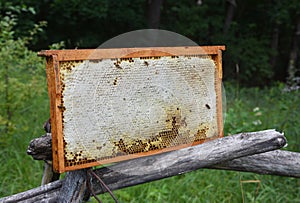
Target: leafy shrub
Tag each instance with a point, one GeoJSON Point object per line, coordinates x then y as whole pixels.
{"type": "Point", "coordinates": [23, 106]}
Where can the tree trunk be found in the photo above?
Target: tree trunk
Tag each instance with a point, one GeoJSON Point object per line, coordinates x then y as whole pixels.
{"type": "Point", "coordinates": [153, 19]}
{"type": "Point", "coordinates": [292, 68]}
{"type": "Point", "coordinates": [230, 14]}
{"type": "Point", "coordinates": [274, 46]}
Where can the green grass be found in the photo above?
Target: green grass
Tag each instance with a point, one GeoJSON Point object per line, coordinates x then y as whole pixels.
{"type": "Point", "coordinates": [212, 186]}
{"type": "Point", "coordinates": [249, 109]}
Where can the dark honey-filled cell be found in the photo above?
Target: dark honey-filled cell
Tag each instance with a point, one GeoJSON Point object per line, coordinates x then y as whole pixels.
{"type": "Point", "coordinates": [201, 134]}
{"type": "Point", "coordinates": [162, 140]}
{"type": "Point", "coordinates": [115, 81]}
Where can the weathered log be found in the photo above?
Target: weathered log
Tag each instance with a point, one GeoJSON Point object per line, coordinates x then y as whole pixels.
{"type": "Point", "coordinates": [160, 166]}
{"type": "Point", "coordinates": [277, 162]}
{"type": "Point", "coordinates": [49, 175]}
{"type": "Point", "coordinates": [44, 193]}
{"type": "Point", "coordinates": [74, 187]}
{"type": "Point", "coordinates": [50, 192]}
{"type": "Point", "coordinates": [145, 169]}
{"type": "Point", "coordinates": [41, 148]}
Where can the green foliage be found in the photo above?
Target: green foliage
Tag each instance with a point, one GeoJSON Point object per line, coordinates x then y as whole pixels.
{"type": "Point", "coordinates": [22, 75]}
{"type": "Point", "coordinates": [23, 102]}
{"type": "Point", "coordinates": [87, 24]}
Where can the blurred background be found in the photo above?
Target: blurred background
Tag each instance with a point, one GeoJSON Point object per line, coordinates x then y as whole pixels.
{"type": "Point", "coordinates": [262, 37]}
{"type": "Point", "coordinates": [261, 78]}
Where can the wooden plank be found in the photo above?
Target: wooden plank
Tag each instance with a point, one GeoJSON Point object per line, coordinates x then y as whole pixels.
{"type": "Point", "coordinates": [84, 54]}
{"type": "Point", "coordinates": [218, 88]}
{"type": "Point", "coordinates": [52, 91]}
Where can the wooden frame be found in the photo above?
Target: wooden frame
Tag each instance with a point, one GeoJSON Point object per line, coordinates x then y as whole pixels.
{"type": "Point", "coordinates": [55, 59]}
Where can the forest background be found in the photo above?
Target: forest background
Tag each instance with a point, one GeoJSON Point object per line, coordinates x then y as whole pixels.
{"type": "Point", "coordinates": [261, 73]}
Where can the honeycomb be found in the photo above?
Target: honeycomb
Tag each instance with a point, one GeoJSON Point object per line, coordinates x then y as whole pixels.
{"type": "Point", "coordinates": [130, 106]}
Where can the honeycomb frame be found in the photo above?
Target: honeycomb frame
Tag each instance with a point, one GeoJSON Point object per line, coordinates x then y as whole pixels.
{"type": "Point", "coordinates": [176, 128]}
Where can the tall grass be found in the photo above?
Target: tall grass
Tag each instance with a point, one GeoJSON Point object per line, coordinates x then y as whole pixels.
{"type": "Point", "coordinates": [253, 109]}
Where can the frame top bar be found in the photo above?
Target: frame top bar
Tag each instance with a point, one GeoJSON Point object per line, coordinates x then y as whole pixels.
{"type": "Point", "coordinates": [90, 54]}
